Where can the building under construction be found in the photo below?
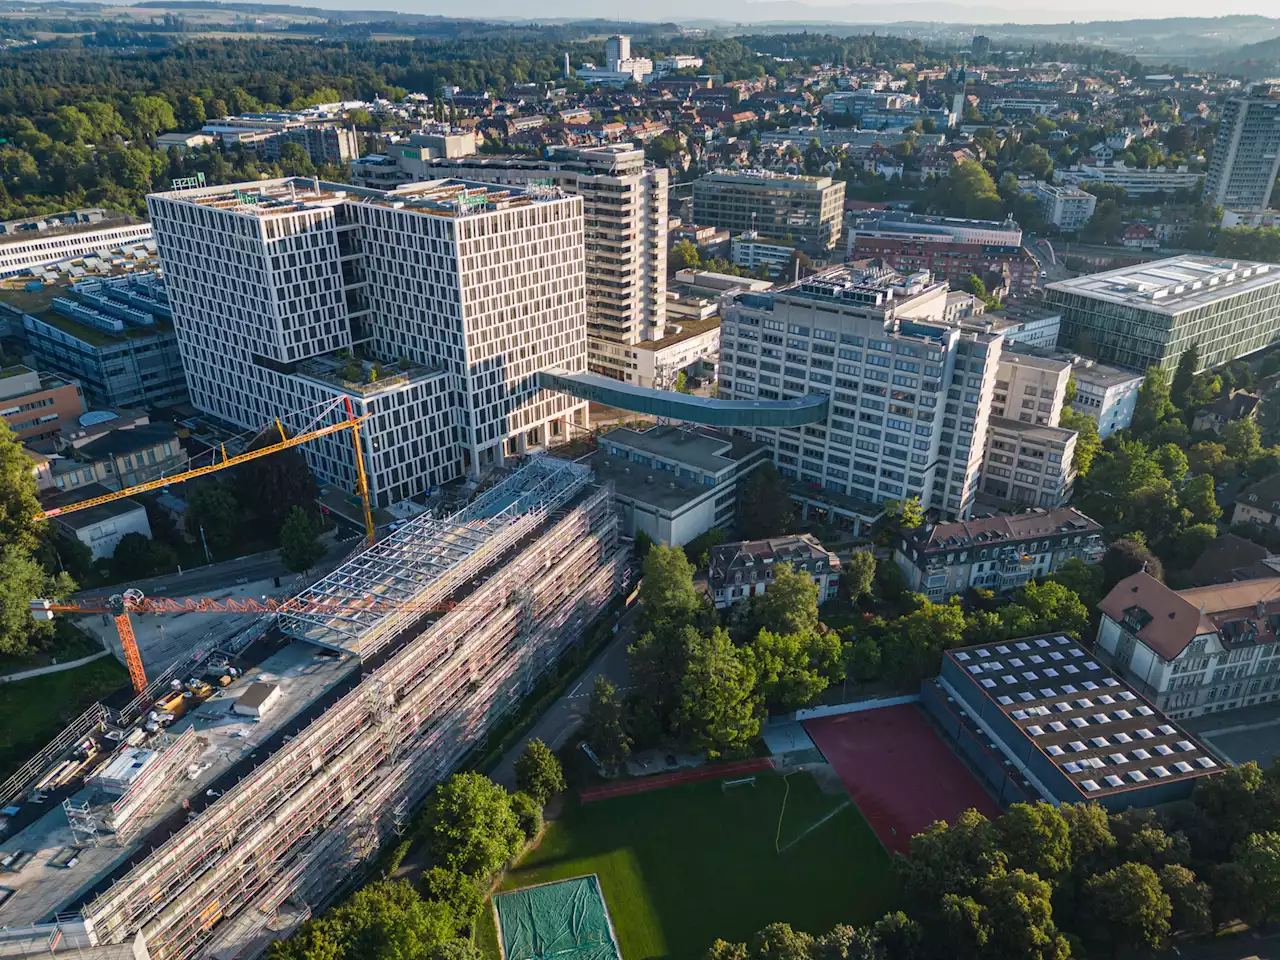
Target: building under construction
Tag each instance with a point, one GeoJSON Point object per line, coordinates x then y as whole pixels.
{"type": "Point", "coordinates": [530, 564]}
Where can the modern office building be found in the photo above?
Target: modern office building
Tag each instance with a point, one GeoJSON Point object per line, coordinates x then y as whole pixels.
{"type": "Point", "coordinates": [739, 571]}
{"type": "Point", "coordinates": [30, 244]}
{"type": "Point", "coordinates": [1029, 324]}
{"type": "Point", "coordinates": [910, 392]}
{"type": "Point", "coordinates": [625, 208]}
{"type": "Point", "coordinates": [1246, 154]}
{"type": "Point", "coordinates": [37, 406]}
{"type": "Point", "coordinates": [750, 252]}
{"type": "Point", "coordinates": [1041, 719]}
{"type": "Point", "coordinates": [1196, 651]}
{"type": "Point", "coordinates": [454, 294]}
{"type": "Point", "coordinates": [674, 483]}
{"type": "Point", "coordinates": [1067, 208]}
{"type": "Point", "coordinates": [951, 249]}
{"type": "Point", "coordinates": [620, 68]}
{"type": "Point", "coordinates": [115, 338]}
{"type": "Point", "coordinates": [980, 47]}
{"type": "Point", "coordinates": [1148, 314]}
{"type": "Point", "coordinates": [999, 553]}
{"type": "Point", "coordinates": [1108, 394]}
{"type": "Point", "coordinates": [800, 211]}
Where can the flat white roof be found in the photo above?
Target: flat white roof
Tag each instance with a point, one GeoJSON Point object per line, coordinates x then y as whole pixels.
{"type": "Point", "coordinates": [1174, 285]}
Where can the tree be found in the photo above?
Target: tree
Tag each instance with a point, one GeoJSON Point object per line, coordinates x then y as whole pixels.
{"type": "Point", "coordinates": [605, 727]}
{"type": "Point", "coordinates": [724, 950]}
{"type": "Point", "coordinates": [191, 113]}
{"type": "Point", "coordinates": [786, 674]}
{"type": "Point", "coordinates": [24, 580]}
{"type": "Point", "coordinates": [538, 771]}
{"type": "Point", "coordinates": [476, 830]}
{"type": "Point", "coordinates": [956, 859]}
{"type": "Point", "coordinates": [1044, 607]}
{"type": "Point", "coordinates": [1082, 579]}
{"type": "Point", "coordinates": [1127, 906]}
{"type": "Point", "coordinates": [1125, 558]}
{"type": "Point", "coordinates": [912, 646]}
{"type": "Point", "coordinates": [764, 505]}
{"type": "Point", "coordinates": [1184, 375]}
{"type": "Point", "coordinates": [300, 545]}
{"type": "Point", "coordinates": [1191, 900]}
{"type": "Point", "coordinates": [459, 892]}
{"type": "Point", "coordinates": [1242, 440]}
{"type": "Point", "coordinates": [858, 575]}
{"type": "Point", "coordinates": [779, 942]}
{"type": "Point", "coordinates": [1233, 804]}
{"type": "Point", "coordinates": [1088, 443]}
{"type": "Point", "coordinates": [1020, 915]}
{"type": "Point", "coordinates": [790, 602]}
{"type": "Point", "coordinates": [667, 593]}
{"type": "Point", "coordinates": [719, 710]}
{"type": "Point", "coordinates": [18, 503]}
{"type": "Point", "coordinates": [1154, 402]}
{"type": "Point", "coordinates": [864, 659]}
{"type": "Point", "coordinates": [149, 116]}
{"type": "Point", "coordinates": [970, 192]}
{"type": "Point", "coordinates": [213, 508]}
{"type": "Point", "coordinates": [1092, 843]}
{"type": "Point", "coordinates": [528, 813]}
{"type": "Point", "coordinates": [698, 550]}
{"type": "Point", "coordinates": [272, 486]}
{"type": "Point", "coordinates": [975, 286]}
{"type": "Point", "coordinates": [1259, 859]}
{"type": "Point", "coordinates": [133, 558]}
{"type": "Point", "coordinates": [684, 256]}
{"type": "Point", "coordinates": [1035, 838]}
{"type": "Point", "coordinates": [1211, 458]}
{"type": "Point", "coordinates": [1198, 496]}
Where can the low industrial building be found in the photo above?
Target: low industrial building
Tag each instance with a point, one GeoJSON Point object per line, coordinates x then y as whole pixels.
{"type": "Point", "coordinates": [1043, 712]}
{"type": "Point", "coordinates": [742, 570]}
{"type": "Point", "coordinates": [99, 528]}
{"type": "Point", "coordinates": [673, 483]}
{"type": "Point", "coordinates": [998, 553]}
{"type": "Point", "coordinates": [1197, 651]}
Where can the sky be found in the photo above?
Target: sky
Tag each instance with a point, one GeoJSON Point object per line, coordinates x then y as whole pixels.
{"type": "Point", "coordinates": [755, 11]}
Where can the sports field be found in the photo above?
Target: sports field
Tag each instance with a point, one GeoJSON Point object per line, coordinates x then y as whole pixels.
{"type": "Point", "coordinates": [682, 866]}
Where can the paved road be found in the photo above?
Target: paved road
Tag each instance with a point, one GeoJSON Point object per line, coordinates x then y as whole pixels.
{"type": "Point", "coordinates": [201, 581]}
{"type": "Point", "coordinates": [565, 715]}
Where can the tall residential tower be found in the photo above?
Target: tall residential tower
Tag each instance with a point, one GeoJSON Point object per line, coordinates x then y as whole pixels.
{"type": "Point", "coordinates": [431, 308]}
{"type": "Point", "coordinates": [1246, 154]}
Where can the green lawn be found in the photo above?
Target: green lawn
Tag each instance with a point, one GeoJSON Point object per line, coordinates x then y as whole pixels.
{"type": "Point", "coordinates": [682, 866]}
{"type": "Point", "coordinates": [33, 712]}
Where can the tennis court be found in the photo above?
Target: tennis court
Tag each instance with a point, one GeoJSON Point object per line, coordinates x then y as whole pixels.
{"type": "Point", "coordinates": [552, 919]}
{"type": "Point", "coordinates": [898, 770]}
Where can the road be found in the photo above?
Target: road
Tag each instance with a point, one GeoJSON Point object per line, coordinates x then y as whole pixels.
{"type": "Point", "coordinates": [564, 716]}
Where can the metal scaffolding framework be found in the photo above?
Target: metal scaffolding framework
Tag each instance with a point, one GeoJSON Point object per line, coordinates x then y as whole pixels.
{"type": "Point", "coordinates": [298, 826]}
{"type": "Point", "coordinates": [425, 561]}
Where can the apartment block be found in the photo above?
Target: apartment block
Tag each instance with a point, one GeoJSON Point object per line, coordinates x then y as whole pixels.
{"type": "Point", "coordinates": [1066, 207]}
{"type": "Point", "coordinates": [999, 553]}
{"type": "Point", "coordinates": [430, 308]}
{"type": "Point", "coordinates": [800, 211]}
{"type": "Point", "coordinates": [951, 249]}
{"type": "Point", "coordinates": [1197, 651]}
{"type": "Point", "coordinates": [1028, 464]}
{"type": "Point", "coordinates": [1148, 314]}
{"type": "Point", "coordinates": [910, 392]}
{"type": "Point", "coordinates": [1246, 154]}
{"type": "Point", "coordinates": [1029, 388]}
{"type": "Point", "coordinates": [36, 406]}
{"type": "Point", "coordinates": [739, 571]}
{"type": "Point", "coordinates": [625, 210]}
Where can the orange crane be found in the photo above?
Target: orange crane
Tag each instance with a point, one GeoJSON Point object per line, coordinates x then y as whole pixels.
{"type": "Point", "coordinates": [352, 423]}
{"type": "Point", "coordinates": [121, 605]}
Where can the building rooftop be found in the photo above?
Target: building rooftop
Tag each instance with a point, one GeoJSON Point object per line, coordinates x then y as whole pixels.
{"type": "Point", "coordinates": [767, 177]}
{"type": "Point", "coordinates": [1244, 613]}
{"type": "Point", "coordinates": [801, 549]}
{"type": "Point", "coordinates": [1175, 285]}
{"type": "Point", "coordinates": [1032, 430]}
{"type": "Point", "coordinates": [1003, 528]}
{"type": "Point", "coordinates": [1098, 732]}
{"type": "Point", "coordinates": [942, 227]}
{"type": "Point", "coordinates": [688, 329]}
{"type": "Point", "coordinates": [1262, 495]}
{"type": "Point", "coordinates": [1034, 362]}
{"type": "Point", "coordinates": [116, 443]}
{"type": "Point", "coordinates": [90, 516]}
{"type": "Point", "coordinates": [708, 450]}
{"type": "Point", "coordinates": [63, 224]}
{"type": "Point", "coordinates": [864, 284]}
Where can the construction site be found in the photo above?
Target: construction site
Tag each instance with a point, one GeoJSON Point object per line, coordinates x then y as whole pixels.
{"type": "Point", "coordinates": [225, 804]}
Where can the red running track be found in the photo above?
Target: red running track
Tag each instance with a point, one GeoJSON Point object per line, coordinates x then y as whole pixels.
{"type": "Point", "coordinates": [899, 772]}
{"type": "Point", "coordinates": [658, 781]}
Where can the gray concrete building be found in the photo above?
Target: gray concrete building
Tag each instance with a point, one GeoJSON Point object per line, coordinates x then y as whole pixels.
{"type": "Point", "coordinates": [1246, 154]}
{"type": "Point", "coordinates": [800, 211]}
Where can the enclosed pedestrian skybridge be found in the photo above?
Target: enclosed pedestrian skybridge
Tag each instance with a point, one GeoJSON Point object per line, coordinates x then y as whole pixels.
{"type": "Point", "coordinates": [681, 406]}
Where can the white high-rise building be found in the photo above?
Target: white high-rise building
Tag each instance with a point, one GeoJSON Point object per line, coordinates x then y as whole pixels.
{"type": "Point", "coordinates": [910, 392]}
{"type": "Point", "coordinates": [616, 49]}
{"type": "Point", "coordinates": [431, 307]}
{"type": "Point", "coordinates": [1246, 154]}
{"type": "Point", "coordinates": [625, 207]}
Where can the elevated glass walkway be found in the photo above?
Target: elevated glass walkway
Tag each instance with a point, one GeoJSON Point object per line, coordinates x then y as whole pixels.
{"type": "Point", "coordinates": [682, 406]}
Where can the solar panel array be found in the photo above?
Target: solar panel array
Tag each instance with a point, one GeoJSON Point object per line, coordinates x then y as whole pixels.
{"type": "Point", "coordinates": [1097, 731]}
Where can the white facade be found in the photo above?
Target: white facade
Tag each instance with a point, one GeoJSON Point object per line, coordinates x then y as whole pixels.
{"type": "Point", "coordinates": [1067, 208]}
{"type": "Point", "coordinates": [1134, 181]}
{"type": "Point", "coordinates": [20, 254]}
{"type": "Point", "coordinates": [910, 393]}
{"type": "Point", "coordinates": [1246, 154]}
{"type": "Point", "coordinates": [625, 205]}
{"type": "Point", "coordinates": [1031, 326]}
{"type": "Point", "coordinates": [1029, 463]}
{"type": "Point", "coordinates": [463, 292]}
{"type": "Point", "coordinates": [1107, 394]}
{"type": "Point", "coordinates": [749, 252]}
{"type": "Point", "coordinates": [1030, 389]}
{"type": "Point", "coordinates": [658, 363]}
{"type": "Point", "coordinates": [102, 528]}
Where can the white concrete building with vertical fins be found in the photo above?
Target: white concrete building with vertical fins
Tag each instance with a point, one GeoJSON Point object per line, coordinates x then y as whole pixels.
{"type": "Point", "coordinates": [431, 307]}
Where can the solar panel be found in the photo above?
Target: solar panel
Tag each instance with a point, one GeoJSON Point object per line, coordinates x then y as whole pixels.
{"type": "Point", "coordinates": [1079, 722]}
{"type": "Point", "coordinates": [1205, 762]}
{"type": "Point", "coordinates": [1100, 742]}
{"type": "Point", "coordinates": [1137, 776]}
{"type": "Point", "coordinates": [1114, 781]}
{"type": "Point", "coordinates": [1090, 785]}
{"type": "Point", "coordinates": [1161, 771]}
{"type": "Point", "coordinates": [1141, 754]}
{"type": "Point", "coordinates": [1118, 758]}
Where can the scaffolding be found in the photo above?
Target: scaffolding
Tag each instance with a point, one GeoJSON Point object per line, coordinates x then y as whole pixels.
{"type": "Point", "coordinates": [426, 560]}
{"type": "Point", "coordinates": [34, 771]}
{"type": "Point", "coordinates": [300, 824]}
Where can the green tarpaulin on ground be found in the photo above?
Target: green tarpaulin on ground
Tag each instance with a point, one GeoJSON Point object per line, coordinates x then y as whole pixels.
{"type": "Point", "coordinates": [566, 919]}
